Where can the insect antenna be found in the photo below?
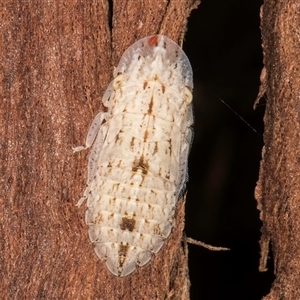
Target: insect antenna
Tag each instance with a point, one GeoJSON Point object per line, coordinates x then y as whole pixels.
{"type": "Point", "coordinates": [239, 116]}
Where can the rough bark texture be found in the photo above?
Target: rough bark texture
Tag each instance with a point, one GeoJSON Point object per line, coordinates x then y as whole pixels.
{"type": "Point", "coordinates": [56, 60]}
{"type": "Point", "coordinates": [278, 188]}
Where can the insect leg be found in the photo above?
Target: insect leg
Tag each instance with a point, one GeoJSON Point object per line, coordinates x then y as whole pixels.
{"type": "Point", "coordinates": [93, 131]}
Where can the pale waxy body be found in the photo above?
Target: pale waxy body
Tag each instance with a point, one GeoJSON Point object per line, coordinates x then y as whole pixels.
{"type": "Point", "coordinates": [137, 168]}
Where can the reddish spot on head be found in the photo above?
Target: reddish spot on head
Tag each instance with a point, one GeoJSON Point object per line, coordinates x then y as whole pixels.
{"type": "Point", "coordinates": [152, 41]}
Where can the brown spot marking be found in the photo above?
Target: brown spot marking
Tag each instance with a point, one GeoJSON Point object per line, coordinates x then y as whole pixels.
{"type": "Point", "coordinates": [170, 147]}
{"type": "Point", "coordinates": [127, 224]}
{"type": "Point", "coordinates": [112, 201]}
{"type": "Point", "coordinates": [155, 148]}
{"type": "Point", "coordinates": [159, 172]}
{"type": "Point", "coordinates": [122, 251]}
{"type": "Point", "coordinates": [163, 88]}
{"type": "Point", "coordinates": [153, 192]}
{"type": "Point", "coordinates": [117, 136]}
{"type": "Point", "coordinates": [132, 142]}
{"type": "Point", "coordinates": [146, 135]}
{"type": "Point", "coordinates": [145, 85]}
{"type": "Point", "coordinates": [140, 164]}
{"type": "Point", "coordinates": [150, 106]}
{"type": "Point", "coordinates": [115, 186]}
{"type": "Point", "coordinates": [99, 218]}
{"type": "Point", "coordinates": [156, 229]}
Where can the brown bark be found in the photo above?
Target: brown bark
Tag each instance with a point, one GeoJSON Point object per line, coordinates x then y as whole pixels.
{"type": "Point", "coordinates": [278, 188]}
{"type": "Point", "coordinates": [56, 60]}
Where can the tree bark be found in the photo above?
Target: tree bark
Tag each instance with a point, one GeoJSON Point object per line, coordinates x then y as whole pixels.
{"type": "Point", "coordinates": [278, 188]}
{"type": "Point", "coordinates": [57, 59]}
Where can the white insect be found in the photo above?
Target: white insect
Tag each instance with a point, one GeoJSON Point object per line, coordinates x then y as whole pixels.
{"type": "Point", "coordinates": [137, 168]}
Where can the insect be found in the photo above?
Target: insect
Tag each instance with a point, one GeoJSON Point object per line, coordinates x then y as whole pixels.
{"type": "Point", "coordinates": [137, 168]}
